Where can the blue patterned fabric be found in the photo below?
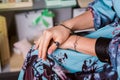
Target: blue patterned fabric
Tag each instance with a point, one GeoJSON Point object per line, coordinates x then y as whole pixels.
{"type": "Point", "coordinates": [62, 63]}
{"type": "Point", "coordinates": [103, 12]}
{"type": "Point", "coordinates": [68, 61]}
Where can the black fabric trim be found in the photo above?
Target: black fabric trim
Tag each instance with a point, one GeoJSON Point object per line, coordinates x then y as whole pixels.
{"type": "Point", "coordinates": [101, 49]}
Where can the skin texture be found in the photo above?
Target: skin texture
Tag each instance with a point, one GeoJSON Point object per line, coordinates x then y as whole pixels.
{"type": "Point", "coordinates": [62, 35]}
{"type": "Point", "coordinates": [81, 44]}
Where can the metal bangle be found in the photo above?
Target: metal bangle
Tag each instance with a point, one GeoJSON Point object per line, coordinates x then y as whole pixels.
{"type": "Point", "coordinates": [71, 31]}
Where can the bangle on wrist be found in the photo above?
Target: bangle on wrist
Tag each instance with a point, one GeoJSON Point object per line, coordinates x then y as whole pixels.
{"type": "Point", "coordinates": [75, 44]}
{"type": "Point", "coordinates": [71, 31]}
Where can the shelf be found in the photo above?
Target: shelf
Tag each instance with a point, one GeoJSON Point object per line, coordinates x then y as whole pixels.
{"type": "Point", "coordinates": [16, 6]}
{"type": "Point", "coordinates": [35, 4]}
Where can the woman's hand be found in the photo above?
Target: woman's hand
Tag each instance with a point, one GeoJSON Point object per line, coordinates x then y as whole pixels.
{"type": "Point", "coordinates": [45, 43]}
{"type": "Point", "coordinates": [69, 43]}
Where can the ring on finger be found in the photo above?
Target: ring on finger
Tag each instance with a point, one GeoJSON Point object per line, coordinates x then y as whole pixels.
{"type": "Point", "coordinates": [57, 43]}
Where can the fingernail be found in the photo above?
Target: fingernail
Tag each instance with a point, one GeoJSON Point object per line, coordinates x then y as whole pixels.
{"type": "Point", "coordinates": [50, 51]}
{"type": "Point", "coordinates": [44, 59]}
{"type": "Point", "coordinates": [39, 56]}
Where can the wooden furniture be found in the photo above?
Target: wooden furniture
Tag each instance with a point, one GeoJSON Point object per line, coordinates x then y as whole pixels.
{"type": "Point", "coordinates": [4, 45]}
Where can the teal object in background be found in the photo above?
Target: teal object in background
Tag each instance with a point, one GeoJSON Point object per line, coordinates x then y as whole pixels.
{"type": "Point", "coordinates": [60, 3]}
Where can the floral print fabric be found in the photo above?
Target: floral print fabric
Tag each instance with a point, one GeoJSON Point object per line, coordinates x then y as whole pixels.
{"type": "Point", "coordinates": [72, 65]}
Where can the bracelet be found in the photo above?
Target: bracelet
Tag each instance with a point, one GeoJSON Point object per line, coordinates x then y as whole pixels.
{"type": "Point", "coordinates": [75, 44]}
{"type": "Point", "coordinates": [71, 31]}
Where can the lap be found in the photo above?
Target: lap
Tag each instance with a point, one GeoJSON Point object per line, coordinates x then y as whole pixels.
{"type": "Point", "coordinates": [59, 63]}
{"type": "Point", "coordinates": [66, 61]}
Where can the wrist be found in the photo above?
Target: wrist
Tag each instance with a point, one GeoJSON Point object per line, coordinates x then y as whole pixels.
{"type": "Point", "coordinates": [69, 43]}
{"type": "Point", "coordinates": [73, 42]}
{"type": "Point", "coordinates": [69, 24]}
{"type": "Point", "coordinates": [66, 27]}
{"type": "Point", "coordinates": [76, 42]}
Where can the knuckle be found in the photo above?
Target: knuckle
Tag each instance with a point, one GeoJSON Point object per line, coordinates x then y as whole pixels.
{"type": "Point", "coordinates": [47, 32]}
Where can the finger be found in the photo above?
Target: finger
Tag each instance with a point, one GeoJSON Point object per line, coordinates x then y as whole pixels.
{"type": "Point", "coordinates": [46, 43]}
{"type": "Point", "coordinates": [39, 52]}
{"type": "Point", "coordinates": [37, 43]}
{"type": "Point", "coordinates": [52, 48]}
{"type": "Point", "coordinates": [40, 47]}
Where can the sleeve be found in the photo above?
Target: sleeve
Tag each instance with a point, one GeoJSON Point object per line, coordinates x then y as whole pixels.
{"type": "Point", "coordinates": [103, 12]}
{"type": "Point", "coordinates": [108, 50]}
{"type": "Point", "coordinates": [114, 53]}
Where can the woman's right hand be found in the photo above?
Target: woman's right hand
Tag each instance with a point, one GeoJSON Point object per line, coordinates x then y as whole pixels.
{"type": "Point", "coordinates": [45, 43]}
